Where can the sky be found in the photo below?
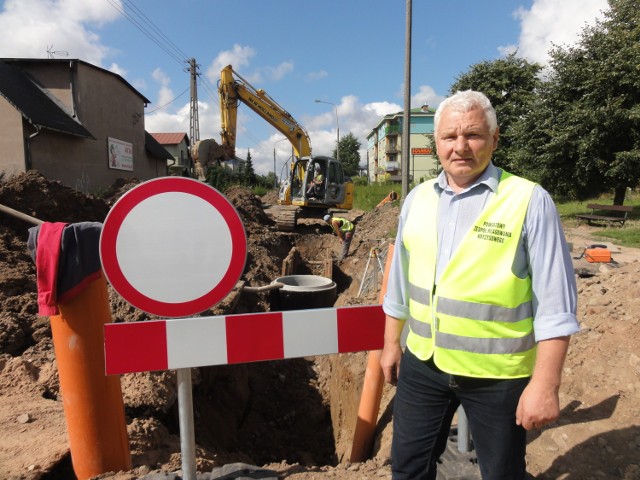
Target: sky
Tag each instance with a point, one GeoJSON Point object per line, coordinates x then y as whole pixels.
{"type": "Point", "coordinates": [348, 53]}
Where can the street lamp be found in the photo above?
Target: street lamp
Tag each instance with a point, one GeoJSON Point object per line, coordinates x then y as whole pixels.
{"type": "Point", "coordinates": [275, 173]}
{"type": "Point", "coordinates": [337, 127]}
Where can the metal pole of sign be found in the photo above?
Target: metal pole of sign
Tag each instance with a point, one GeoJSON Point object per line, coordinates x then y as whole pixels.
{"type": "Point", "coordinates": [229, 265]}
{"type": "Point", "coordinates": [187, 432]}
{"type": "Point", "coordinates": [464, 438]}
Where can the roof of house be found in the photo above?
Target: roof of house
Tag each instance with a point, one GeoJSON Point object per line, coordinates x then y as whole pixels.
{"type": "Point", "coordinates": [35, 104]}
{"type": "Point", "coordinates": [171, 138]}
{"type": "Point", "coordinates": [72, 62]}
{"type": "Point", "coordinates": [154, 148]}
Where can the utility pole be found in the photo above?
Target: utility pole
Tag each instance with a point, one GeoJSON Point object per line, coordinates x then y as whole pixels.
{"type": "Point", "coordinates": [406, 117]}
{"type": "Point", "coordinates": [275, 172]}
{"type": "Point", "coordinates": [194, 123]}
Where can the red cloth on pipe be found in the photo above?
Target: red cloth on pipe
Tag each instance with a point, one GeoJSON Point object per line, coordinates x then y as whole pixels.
{"type": "Point", "coordinates": [47, 261]}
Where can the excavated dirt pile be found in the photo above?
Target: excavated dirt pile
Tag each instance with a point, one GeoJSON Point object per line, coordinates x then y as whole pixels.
{"type": "Point", "coordinates": [295, 417]}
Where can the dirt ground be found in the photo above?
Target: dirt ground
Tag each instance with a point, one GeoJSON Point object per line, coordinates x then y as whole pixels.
{"type": "Point", "coordinates": [296, 417]}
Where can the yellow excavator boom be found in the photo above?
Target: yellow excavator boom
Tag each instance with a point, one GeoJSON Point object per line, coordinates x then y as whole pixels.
{"type": "Point", "coordinates": [234, 89]}
{"type": "Point", "coordinates": [301, 192]}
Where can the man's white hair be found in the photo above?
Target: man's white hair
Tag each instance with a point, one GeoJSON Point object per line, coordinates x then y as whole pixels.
{"type": "Point", "coordinates": [465, 101]}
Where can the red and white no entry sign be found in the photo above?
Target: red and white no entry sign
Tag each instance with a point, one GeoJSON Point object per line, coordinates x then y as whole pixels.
{"type": "Point", "coordinates": [173, 246]}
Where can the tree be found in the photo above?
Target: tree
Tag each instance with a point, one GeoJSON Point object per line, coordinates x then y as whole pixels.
{"type": "Point", "coordinates": [583, 138]}
{"type": "Point", "coordinates": [510, 83]}
{"type": "Point", "coordinates": [248, 173]}
{"type": "Point", "coordinates": [349, 154]}
{"type": "Point", "coordinates": [221, 177]}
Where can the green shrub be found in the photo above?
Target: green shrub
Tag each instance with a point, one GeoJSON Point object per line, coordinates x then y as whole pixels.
{"type": "Point", "coordinates": [259, 190]}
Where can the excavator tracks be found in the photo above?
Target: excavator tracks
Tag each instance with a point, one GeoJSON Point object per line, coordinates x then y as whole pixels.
{"type": "Point", "coordinates": [285, 217]}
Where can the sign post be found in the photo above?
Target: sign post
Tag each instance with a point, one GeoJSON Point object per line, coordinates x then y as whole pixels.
{"type": "Point", "coordinates": [174, 247]}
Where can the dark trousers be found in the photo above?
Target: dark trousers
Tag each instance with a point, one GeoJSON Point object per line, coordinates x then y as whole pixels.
{"type": "Point", "coordinates": [346, 243]}
{"type": "Point", "coordinates": [426, 400]}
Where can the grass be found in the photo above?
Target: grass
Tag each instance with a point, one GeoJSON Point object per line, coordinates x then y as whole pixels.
{"type": "Point", "coordinates": [628, 235]}
{"type": "Point", "coordinates": [368, 196]}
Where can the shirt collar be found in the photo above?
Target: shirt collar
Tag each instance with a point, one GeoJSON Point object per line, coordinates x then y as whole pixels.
{"type": "Point", "coordinates": [490, 177]}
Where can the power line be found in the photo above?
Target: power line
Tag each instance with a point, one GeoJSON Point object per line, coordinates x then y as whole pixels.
{"type": "Point", "coordinates": [168, 103]}
{"type": "Point", "coordinates": [146, 26]}
{"type": "Point", "coordinates": [159, 32]}
{"type": "Point", "coordinates": [209, 87]}
{"type": "Point", "coordinates": [155, 34]}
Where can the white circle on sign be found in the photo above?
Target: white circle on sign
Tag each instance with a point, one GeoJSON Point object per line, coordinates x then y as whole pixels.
{"type": "Point", "coordinates": [181, 257]}
{"type": "Point", "coordinates": [169, 239]}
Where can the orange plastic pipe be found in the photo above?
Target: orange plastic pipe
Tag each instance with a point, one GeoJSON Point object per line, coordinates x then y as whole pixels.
{"type": "Point", "coordinates": [371, 391]}
{"type": "Point", "coordinates": [93, 405]}
{"type": "Point", "coordinates": [389, 198]}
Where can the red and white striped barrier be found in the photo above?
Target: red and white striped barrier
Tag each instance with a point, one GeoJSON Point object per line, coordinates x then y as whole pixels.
{"type": "Point", "coordinates": [205, 341]}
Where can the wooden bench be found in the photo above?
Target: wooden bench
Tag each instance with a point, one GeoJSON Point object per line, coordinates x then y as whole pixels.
{"type": "Point", "coordinates": [606, 213]}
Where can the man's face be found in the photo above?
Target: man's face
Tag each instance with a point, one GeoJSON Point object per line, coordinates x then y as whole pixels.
{"type": "Point", "coordinates": [465, 146]}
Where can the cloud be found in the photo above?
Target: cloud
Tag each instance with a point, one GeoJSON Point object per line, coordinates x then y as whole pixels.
{"type": "Point", "coordinates": [506, 50]}
{"type": "Point", "coordinates": [260, 75]}
{"type": "Point", "coordinates": [31, 27]}
{"type": "Point", "coordinates": [163, 121]}
{"type": "Point", "coordinates": [165, 94]}
{"type": "Point", "coordinates": [315, 76]}
{"type": "Point", "coordinates": [321, 128]}
{"type": "Point", "coordinates": [115, 68]}
{"type": "Point", "coordinates": [179, 121]}
{"type": "Point", "coordinates": [426, 96]}
{"type": "Point", "coordinates": [278, 72]}
{"type": "Point", "coordinates": [552, 22]}
{"type": "Point", "coordinates": [360, 118]}
{"type": "Point", "coordinates": [239, 56]}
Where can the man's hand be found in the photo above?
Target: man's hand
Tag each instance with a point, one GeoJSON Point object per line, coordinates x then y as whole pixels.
{"type": "Point", "coordinates": [539, 403]}
{"type": "Point", "coordinates": [390, 363]}
{"type": "Point", "coordinates": [392, 351]}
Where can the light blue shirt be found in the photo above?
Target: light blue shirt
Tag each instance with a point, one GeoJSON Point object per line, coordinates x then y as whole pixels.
{"type": "Point", "coordinates": [542, 252]}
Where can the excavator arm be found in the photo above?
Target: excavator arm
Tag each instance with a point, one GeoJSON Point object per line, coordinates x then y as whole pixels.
{"type": "Point", "coordinates": [295, 194]}
{"type": "Point", "coordinates": [234, 89]}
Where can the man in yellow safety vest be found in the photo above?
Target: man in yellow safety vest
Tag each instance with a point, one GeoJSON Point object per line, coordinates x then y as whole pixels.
{"type": "Point", "coordinates": [482, 277]}
{"type": "Point", "coordinates": [344, 229]}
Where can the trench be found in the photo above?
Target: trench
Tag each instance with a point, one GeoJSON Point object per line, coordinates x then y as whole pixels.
{"type": "Point", "coordinates": [295, 411]}
{"type": "Point", "coordinates": [275, 411]}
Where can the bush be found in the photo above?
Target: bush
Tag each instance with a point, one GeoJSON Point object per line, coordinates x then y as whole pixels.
{"type": "Point", "coordinates": [360, 181]}
{"type": "Point", "coordinates": [221, 178]}
{"type": "Point", "coordinates": [259, 190]}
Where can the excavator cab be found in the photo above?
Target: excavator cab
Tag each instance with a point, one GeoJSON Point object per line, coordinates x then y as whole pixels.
{"type": "Point", "coordinates": [319, 182]}
{"type": "Point", "coordinates": [316, 181]}
{"type": "Point", "coordinates": [315, 185]}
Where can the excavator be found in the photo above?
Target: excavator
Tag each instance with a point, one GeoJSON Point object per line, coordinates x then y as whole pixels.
{"type": "Point", "coordinates": [314, 184]}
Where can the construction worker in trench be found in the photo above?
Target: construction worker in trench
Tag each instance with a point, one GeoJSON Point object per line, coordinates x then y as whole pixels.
{"type": "Point", "coordinates": [344, 229]}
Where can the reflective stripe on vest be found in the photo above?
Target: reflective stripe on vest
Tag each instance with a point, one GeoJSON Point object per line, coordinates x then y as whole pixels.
{"type": "Point", "coordinates": [421, 329]}
{"type": "Point", "coordinates": [478, 311]}
{"type": "Point", "coordinates": [480, 322]}
{"type": "Point", "coordinates": [485, 345]}
{"type": "Point", "coordinates": [419, 294]}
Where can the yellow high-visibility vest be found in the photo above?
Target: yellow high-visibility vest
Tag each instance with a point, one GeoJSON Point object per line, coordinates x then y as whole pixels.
{"type": "Point", "coordinates": [346, 226]}
{"type": "Point", "coordinates": [478, 322]}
